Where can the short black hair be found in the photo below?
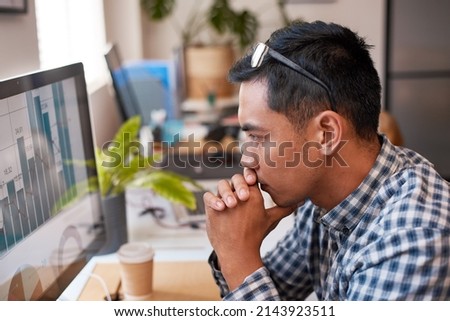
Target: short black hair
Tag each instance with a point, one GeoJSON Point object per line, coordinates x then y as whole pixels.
{"type": "Point", "coordinates": [334, 54]}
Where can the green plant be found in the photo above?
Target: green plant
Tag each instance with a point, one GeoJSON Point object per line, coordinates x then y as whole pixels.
{"type": "Point", "coordinates": [241, 26]}
{"type": "Point", "coordinates": [123, 163]}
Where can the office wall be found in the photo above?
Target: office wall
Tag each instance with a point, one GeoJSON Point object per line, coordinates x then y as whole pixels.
{"type": "Point", "coordinates": [105, 117]}
{"type": "Point", "coordinates": [19, 51]}
{"type": "Point", "coordinates": [123, 27]}
{"type": "Point", "coordinates": [367, 17]}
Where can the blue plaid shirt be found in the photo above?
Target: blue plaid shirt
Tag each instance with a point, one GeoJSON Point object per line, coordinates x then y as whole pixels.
{"type": "Point", "coordinates": [388, 240]}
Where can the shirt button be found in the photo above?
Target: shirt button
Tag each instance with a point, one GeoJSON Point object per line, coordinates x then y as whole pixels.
{"type": "Point", "coordinates": [334, 246]}
{"type": "Point", "coordinates": [346, 230]}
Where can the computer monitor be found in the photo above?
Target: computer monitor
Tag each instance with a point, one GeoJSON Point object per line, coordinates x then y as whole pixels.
{"type": "Point", "coordinates": [143, 87]}
{"type": "Point", "coordinates": [126, 99]}
{"type": "Point", "coordinates": [50, 207]}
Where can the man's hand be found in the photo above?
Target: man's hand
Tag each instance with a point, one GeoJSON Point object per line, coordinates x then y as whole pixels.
{"type": "Point", "coordinates": [237, 227]}
{"type": "Point", "coordinates": [229, 193]}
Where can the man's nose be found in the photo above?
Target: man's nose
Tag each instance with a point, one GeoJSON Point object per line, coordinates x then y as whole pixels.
{"type": "Point", "coordinates": [250, 160]}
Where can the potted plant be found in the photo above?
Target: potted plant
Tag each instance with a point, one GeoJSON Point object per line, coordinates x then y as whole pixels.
{"type": "Point", "coordinates": [240, 27]}
{"type": "Point", "coordinates": [207, 61]}
{"type": "Point", "coordinates": [123, 163]}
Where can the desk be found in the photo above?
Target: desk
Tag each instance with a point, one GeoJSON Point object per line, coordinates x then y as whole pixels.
{"type": "Point", "coordinates": [172, 281]}
{"type": "Point", "coordinates": [179, 254]}
{"type": "Point", "coordinates": [182, 266]}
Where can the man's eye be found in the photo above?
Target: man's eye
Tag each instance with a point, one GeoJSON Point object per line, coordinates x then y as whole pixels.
{"type": "Point", "coordinates": [254, 138]}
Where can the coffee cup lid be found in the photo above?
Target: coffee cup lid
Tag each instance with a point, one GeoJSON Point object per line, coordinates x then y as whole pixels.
{"type": "Point", "coordinates": [135, 252]}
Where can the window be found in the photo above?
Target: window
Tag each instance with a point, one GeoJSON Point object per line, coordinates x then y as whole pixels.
{"type": "Point", "coordinates": [72, 31]}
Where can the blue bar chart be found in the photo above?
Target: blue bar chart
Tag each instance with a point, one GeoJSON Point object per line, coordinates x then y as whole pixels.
{"type": "Point", "coordinates": [36, 170]}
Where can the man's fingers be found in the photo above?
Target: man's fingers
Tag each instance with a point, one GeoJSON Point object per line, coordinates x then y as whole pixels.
{"type": "Point", "coordinates": [229, 193]}
{"type": "Point", "coordinates": [226, 193]}
{"type": "Point", "coordinates": [240, 187]}
{"type": "Point", "coordinates": [213, 201]}
{"type": "Point", "coordinates": [250, 176]}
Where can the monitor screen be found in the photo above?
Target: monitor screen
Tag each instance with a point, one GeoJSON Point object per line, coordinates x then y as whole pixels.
{"type": "Point", "coordinates": [49, 202]}
{"type": "Point", "coordinates": [142, 87]}
{"type": "Point", "coordinates": [128, 105]}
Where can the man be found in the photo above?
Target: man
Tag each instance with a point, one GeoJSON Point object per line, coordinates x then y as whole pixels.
{"type": "Point", "coordinates": [372, 220]}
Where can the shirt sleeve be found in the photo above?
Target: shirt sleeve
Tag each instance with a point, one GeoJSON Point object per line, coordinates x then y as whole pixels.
{"type": "Point", "coordinates": [284, 275]}
{"type": "Point", "coordinates": [256, 287]}
{"type": "Point", "coordinates": [217, 274]}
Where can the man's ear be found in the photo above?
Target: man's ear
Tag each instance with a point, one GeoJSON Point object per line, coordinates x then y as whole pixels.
{"type": "Point", "coordinates": [329, 128]}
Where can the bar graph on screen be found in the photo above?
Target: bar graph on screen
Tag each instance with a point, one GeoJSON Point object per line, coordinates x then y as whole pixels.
{"type": "Point", "coordinates": [34, 175]}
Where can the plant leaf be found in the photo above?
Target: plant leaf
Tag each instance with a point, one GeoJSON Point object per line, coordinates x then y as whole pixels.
{"type": "Point", "coordinates": [157, 9]}
{"type": "Point", "coordinates": [104, 176]}
{"type": "Point", "coordinates": [245, 26]}
{"type": "Point", "coordinates": [127, 135]}
{"type": "Point", "coordinates": [220, 16]}
{"type": "Point", "coordinates": [168, 185]}
{"type": "Point", "coordinates": [115, 164]}
{"type": "Point", "coordinates": [184, 179]}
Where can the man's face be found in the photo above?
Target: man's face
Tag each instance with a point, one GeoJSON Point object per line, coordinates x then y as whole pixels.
{"type": "Point", "coordinates": [281, 155]}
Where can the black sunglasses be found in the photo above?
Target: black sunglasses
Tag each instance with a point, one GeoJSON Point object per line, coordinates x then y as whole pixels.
{"type": "Point", "coordinates": [261, 50]}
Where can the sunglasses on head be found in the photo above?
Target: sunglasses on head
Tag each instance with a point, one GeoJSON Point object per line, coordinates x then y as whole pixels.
{"type": "Point", "coordinates": [261, 50]}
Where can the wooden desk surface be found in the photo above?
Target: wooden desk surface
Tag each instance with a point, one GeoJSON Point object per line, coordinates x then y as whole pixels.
{"type": "Point", "coordinates": [172, 281]}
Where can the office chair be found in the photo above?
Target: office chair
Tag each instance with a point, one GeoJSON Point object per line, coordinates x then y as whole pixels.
{"type": "Point", "coordinates": [388, 125]}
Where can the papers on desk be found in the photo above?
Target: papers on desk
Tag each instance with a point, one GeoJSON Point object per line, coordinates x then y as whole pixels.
{"type": "Point", "coordinates": [159, 225]}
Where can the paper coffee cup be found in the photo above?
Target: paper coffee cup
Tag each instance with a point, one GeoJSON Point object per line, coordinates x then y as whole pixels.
{"type": "Point", "coordinates": [136, 270]}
